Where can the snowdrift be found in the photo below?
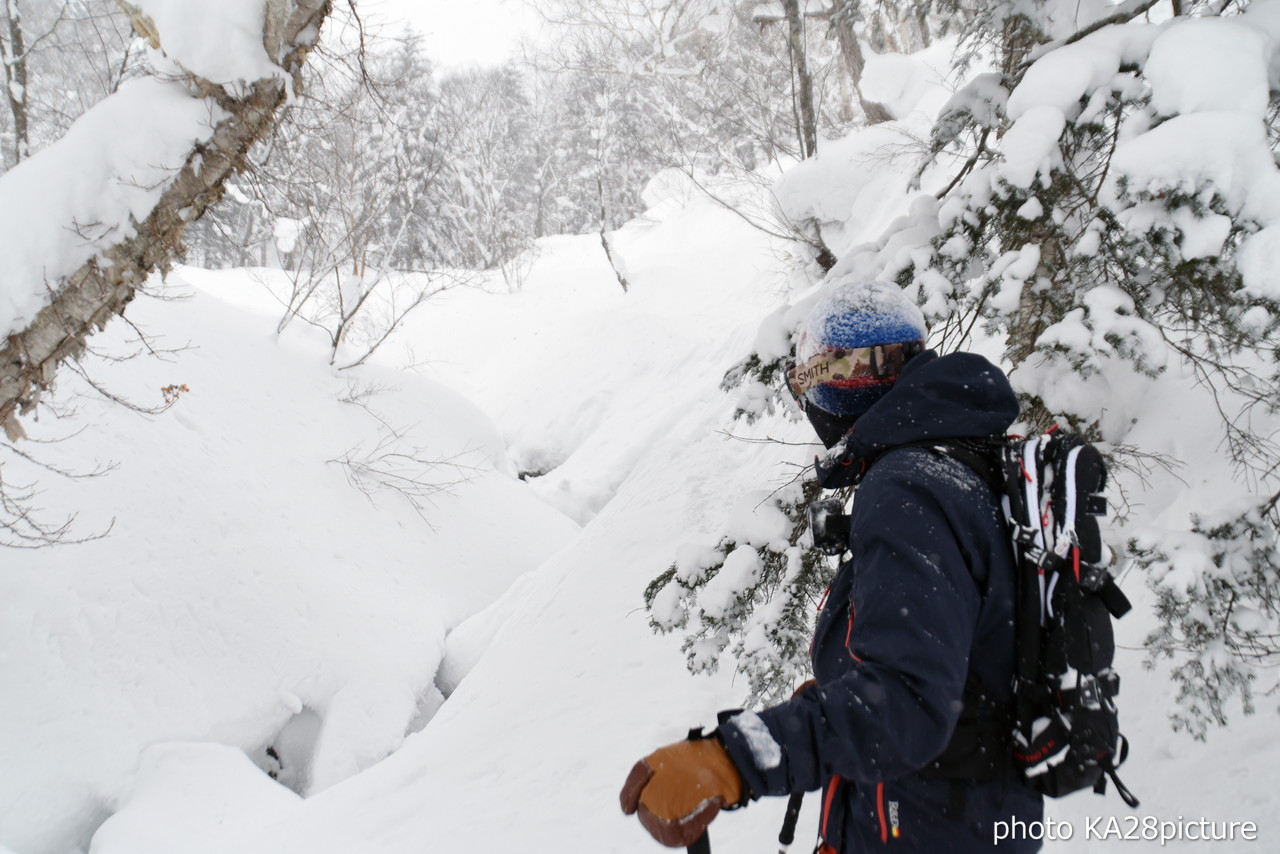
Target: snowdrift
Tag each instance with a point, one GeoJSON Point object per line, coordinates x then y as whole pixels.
{"type": "Point", "coordinates": [244, 592]}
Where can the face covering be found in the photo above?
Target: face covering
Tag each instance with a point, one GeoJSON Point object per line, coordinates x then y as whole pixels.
{"type": "Point", "coordinates": [830, 428]}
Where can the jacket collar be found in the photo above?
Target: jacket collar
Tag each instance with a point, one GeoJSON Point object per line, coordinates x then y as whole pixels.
{"type": "Point", "coordinates": [959, 395]}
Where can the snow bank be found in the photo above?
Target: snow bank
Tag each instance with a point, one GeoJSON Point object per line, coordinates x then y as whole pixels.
{"type": "Point", "coordinates": [566, 665]}
{"type": "Point", "coordinates": [609, 402]}
{"type": "Point", "coordinates": [579, 376]}
{"type": "Point", "coordinates": [247, 593]}
{"type": "Point", "coordinates": [188, 785]}
{"type": "Point", "coordinates": [562, 686]}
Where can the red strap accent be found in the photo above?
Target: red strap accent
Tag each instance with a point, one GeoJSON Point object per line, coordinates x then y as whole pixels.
{"type": "Point", "coordinates": [860, 382]}
{"type": "Point", "coordinates": [832, 785]}
{"type": "Point", "coordinates": [848, 633]}
{"type": "Point", "coordinates": [884, 827]}
{"type": "Point", "coordinates": [1075, 555]}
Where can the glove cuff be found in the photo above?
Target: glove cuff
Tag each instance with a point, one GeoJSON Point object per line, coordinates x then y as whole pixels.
{"type": "Point", "coordinates": [696, 734]}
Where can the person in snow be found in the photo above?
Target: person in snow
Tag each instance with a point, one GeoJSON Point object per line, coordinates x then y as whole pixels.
{"type": "Point", "coordinates": [906, 726]}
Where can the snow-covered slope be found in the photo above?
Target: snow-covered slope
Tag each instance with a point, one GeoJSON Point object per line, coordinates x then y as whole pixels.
{"type": "Point", "coordinates": [245, 592]}
{"type": "Point", "coordinates": [621, 393]}
{"type": "Point", "coordinates": [249, 596]}
{"type": "Point", "coordinates": [561, 685]}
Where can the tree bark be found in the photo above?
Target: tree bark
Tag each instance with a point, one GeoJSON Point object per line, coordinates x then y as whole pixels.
{"type": "Point", "coordinates": [1035, 306]}
{"type": "Point", "coordinates": [88, 298]}
{"type": "Point", "coordinates": [604, 237]}
{"type": "Point", "coordinates": [808, 129]}
{"type": "Point", "coordinates": [855, 63]}
{"type": "Point", "coordinates": [15, 78]}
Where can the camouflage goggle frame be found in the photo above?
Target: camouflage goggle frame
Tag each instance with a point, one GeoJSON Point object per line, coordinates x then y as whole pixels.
{"type": "Point", "coordinates": [851, 367]}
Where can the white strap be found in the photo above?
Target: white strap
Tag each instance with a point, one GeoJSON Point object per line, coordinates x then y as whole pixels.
{"type": "Point", "coordinates": [1067, 529]}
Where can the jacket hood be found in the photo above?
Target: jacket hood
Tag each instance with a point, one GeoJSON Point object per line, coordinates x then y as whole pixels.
{"type": "Point", "coordinates": [960, 395]}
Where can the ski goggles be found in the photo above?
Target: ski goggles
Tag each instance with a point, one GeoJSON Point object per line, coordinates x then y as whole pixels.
{"type": "Point", "coordinates": [850, 367]}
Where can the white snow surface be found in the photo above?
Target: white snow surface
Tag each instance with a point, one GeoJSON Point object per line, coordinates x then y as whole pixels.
{"type": "Point", "coordinates": [1226, 149]}
{"type": "Point", "coordinates": [566, 686]}
{"type": "Point", "coordinates": [1209, 64]}
{"type": "Point", "coordinates": [648, 471]}
{"type": "Point", "coordinates": [61, 207]}
{"type": "Point", "coordinates": [765, 750]}
{"type": "Point", "coordinates": [1063, 76]}
{"type": "Point", "coordinates": [1030, 147]}
{"type": "Point", "coordinates": [854, 186]}
{"type": "Point", "coordinates": [247, 595]}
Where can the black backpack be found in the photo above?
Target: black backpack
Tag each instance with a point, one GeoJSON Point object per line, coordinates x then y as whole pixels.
{"type": "Point", "coordinates": [1064, 735]}
{"type": "Point", "coordinates": [1066, 732]}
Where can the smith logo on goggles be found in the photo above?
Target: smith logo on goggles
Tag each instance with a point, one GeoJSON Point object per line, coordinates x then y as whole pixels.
{"type": "Point", "coordinates": [851, 367]}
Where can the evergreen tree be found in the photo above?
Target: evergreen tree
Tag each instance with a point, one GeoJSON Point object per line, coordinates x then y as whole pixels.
{"type": "Point", "coordinates": [1110, 218]}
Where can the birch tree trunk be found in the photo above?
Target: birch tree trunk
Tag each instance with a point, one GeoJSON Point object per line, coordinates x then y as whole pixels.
{"type": "Point", "coordinates": [88, 298]}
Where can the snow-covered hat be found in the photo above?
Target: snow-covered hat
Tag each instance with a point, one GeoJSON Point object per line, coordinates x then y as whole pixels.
{"type": "Point", "coordinates": [853, 344]}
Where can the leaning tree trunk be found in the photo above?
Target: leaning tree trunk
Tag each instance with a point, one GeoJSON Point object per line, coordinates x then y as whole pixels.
{"type": "Point", "coordinates": [855, 63]}
{"type": "Point", "coordinates": [85, 300]}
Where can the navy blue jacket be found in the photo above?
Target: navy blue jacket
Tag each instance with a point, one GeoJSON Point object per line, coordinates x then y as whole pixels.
{"type": "Point", "coordinates": [925, 596]}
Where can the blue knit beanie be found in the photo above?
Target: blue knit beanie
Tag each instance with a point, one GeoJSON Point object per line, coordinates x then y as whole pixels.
{"type": "Point", "coordinates": [856, 313]}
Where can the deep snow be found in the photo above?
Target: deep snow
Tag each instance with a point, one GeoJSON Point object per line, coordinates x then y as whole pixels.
{"type": "Point", "coordinates": [244, 586]}
{"type": "Point", "coordinates": [248, 595]}
{"type": "Point", "coordinates": [569, 686]}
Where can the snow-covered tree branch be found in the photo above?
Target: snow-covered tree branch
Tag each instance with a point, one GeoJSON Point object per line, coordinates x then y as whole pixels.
{"type": "Point", "coordinates": [157, 154]}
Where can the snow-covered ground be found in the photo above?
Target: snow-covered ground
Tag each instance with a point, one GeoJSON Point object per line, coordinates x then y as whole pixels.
{"type": "Point", "coordinates": [248, 595]}
{"type": "Point", "coordinates": [245, 592]}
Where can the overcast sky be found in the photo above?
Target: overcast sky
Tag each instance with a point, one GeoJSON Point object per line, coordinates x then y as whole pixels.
{"type": "Point", "coordinates": [461, 32]}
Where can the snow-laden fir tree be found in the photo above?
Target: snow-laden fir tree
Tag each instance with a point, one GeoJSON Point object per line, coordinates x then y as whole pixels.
{"type": "Point", "coordinates": [1106, 202]}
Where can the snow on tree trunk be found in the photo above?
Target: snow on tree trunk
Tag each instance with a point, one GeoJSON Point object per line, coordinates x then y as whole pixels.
{"type": "Point", "coordinates": [855, 63]}
{"type": "Point", "coordinates": [121, 254]}
{"type": "Point", "coordinates": [14, 54]}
